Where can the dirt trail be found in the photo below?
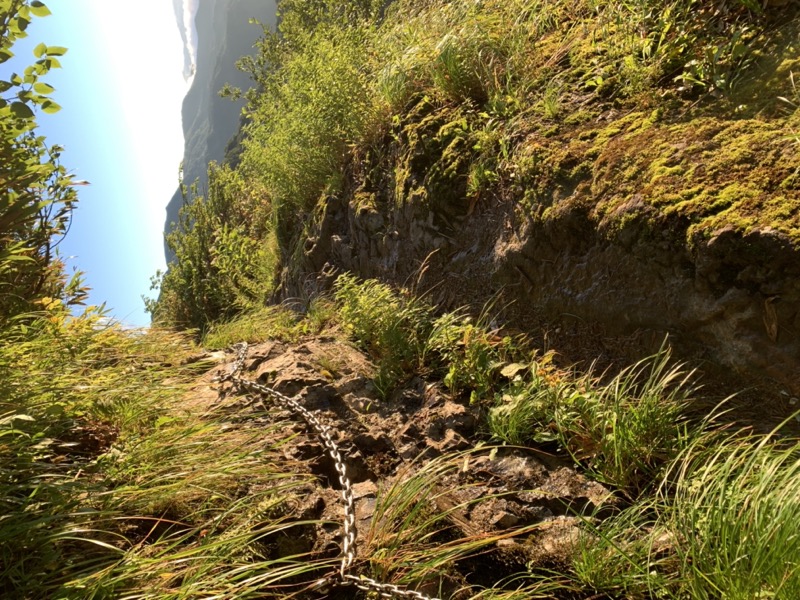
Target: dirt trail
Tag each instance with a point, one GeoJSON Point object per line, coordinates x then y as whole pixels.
{"type": "Point", "coordinates": [385, 442]}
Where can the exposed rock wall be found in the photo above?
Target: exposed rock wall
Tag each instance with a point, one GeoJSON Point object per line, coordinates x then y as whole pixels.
{"type": "Point", "coordinates": [585, 250]}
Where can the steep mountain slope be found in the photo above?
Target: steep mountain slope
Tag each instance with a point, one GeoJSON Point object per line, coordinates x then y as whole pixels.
{"type": "Point", "coordinates": [209, 121]}
{"type": "Point", "coordinates": [610, 174]}
{"type": "Point", "coordinates": [591, 157]}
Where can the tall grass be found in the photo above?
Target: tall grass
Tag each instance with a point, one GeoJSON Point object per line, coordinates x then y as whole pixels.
{"type": "Point", "coordinates": [73, 388]}
{"type": "Point", "coordinates": [627, 555]}
{"type": "Point", "coordinates": [734, 519]}
{"type": "Point", "coordinates": [419, 531]}
{"type": "Point", "coordinates": [721, 526]}
{"type": "Point", "coordinates": [207, 509]}
{"type": "Point", "coordinates": [627, 430]}
{"type": "Point", "coordinates": [394, 329]}
{"type": "Point", "coordinates": [270, 322]}
{"type": "Point", "coordinates": [115, 481]}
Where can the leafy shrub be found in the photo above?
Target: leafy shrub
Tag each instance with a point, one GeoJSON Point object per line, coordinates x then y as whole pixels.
{"type": "Point", "coordinates": [523, 410]}
{"type": "Point", "coordinates": [314, 102]}
{"type": "Point", "coordinates": [225, 261]}
{"type": "Point", "coordinates": [394, 329]}
{"type": "Point", "coordinates": [470, 354]}
{"type": "Point", "coordinates": [624, 432]}
{"type": "Point", "coordinates": [36, 192]}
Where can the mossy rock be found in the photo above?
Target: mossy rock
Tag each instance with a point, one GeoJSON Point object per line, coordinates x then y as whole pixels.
{"type": "Point", "coordinates": [702, 175]}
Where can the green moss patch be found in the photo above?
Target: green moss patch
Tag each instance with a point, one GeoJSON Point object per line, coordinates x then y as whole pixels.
{"type": "Point", "coordinates": [705, 174]}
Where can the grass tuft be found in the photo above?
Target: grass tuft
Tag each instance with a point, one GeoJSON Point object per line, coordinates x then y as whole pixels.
{"type": "Point", "coordinates": [734, 517]}
{"type": "Point", "coordinates": [392, 328]}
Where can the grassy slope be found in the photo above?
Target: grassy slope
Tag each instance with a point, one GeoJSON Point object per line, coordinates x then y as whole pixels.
{"type": "Point", "coordinates": [117, 477]}
{"type": "Point", "coordinates": [446, 103]}
{"type": "Point", "coordinates": [123, 474]}
{"type": "Point", "coordinates": [675, 116]}
{"type": "Point", "coordinates": [584, 112]}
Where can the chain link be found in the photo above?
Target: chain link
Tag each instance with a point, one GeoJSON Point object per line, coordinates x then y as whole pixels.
{"type": "Point", "coordinates": [367, 584]}
{"type": "Point", "coordinates": [384, 590]}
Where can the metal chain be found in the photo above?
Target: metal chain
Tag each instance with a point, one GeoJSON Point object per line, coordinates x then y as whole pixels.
{"type": "Point", "coordinates": [385, 590]}
{"type": "Point", "coordinates": [367, 584]}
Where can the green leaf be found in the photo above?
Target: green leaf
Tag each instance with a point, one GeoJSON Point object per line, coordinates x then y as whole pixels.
{"type": "Point", "coordinates": [50, 107]}
{"type": "Point", "coordinates": [39, 9]}
{"type": "Point", "coordinates": [5, 54]}
{"type": "Point", "coordinates": [512, 369]}
{"type": "Point", "coordinates": [19, 257]}
{"type": "Point", "coordinates": [52, 63]}
{"type": "Point", "coordinates": [43, 88]}
{"type": "Point", "coordinates": [22, 23]}
{"type": "Point", "coordinates": [56, 50]}
{"type": "Point", "coordinates": [21, 110]}
{"type": "Point", "coordinates": [39, 51]}
{"type": "Point", "coordinates": [5, 86]}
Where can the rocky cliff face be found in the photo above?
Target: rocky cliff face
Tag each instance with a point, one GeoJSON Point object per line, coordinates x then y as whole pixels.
{"type": "Point", "coordinates": [593, 251]}
{"type": "Point", "coordinates": [223, 36]}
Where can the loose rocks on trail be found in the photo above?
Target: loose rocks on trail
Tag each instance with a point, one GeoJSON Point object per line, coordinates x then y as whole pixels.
{"type": "Point", "coordinates": [529, 502]}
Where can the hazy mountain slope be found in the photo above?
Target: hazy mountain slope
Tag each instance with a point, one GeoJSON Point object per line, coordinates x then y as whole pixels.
{"type": "Point", "coordinates": [224, 35]}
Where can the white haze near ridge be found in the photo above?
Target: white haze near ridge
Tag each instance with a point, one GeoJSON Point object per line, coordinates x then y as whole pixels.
{"type": "Point", "coordinates": [190, 35]}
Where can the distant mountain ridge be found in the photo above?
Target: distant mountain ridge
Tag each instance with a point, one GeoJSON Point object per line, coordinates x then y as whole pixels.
{"type": "Point", "coordinates": [184, 11]}
{"type": "Point", "coordinates": [223, 36]}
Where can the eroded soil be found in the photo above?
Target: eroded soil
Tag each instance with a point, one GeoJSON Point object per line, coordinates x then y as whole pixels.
{"type": "Point", "coordinates": [530, 502]}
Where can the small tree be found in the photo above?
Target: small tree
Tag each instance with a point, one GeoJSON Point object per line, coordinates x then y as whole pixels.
{"type": "Point", "coordinates": [36, 193]}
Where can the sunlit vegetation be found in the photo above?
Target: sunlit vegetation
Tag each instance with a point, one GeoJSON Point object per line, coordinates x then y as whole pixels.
{"type": "Point", "coordinates": [121, 478]}
{"type": "Point", "coordinates": [624, 430]}
{"type": "Point", "coordinates": [445, 102]}
{"type": "Point", "coordinates": [710, 511]}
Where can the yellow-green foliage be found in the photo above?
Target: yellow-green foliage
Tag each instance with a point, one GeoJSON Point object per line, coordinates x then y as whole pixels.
{"type": "Point", "coordinates": [225, 252]}
{"type": "Point", "coordinates": [36, 193]}
{"type": "Point", "coordinates": [393, 328]}
{"type": "Point", "coordinates": [313, 103]}
{"type": "Point", "coordinates": [711, 172]}
{"type": "Point", "coordinates": [604, 106]}
{"type": "Point", "coordinates": [71, 390]}
{"type": "Point", "coordinates": [720, 528]}
{"type": "Point", "coordinates": [271, 322]}
{"type": "Point", "coordinates": [739, 499]}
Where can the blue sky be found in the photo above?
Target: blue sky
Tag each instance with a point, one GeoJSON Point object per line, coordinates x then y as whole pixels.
{"type": "Point", "coordinates": [120, 88]}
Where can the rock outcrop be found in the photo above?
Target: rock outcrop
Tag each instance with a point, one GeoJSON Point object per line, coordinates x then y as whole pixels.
{"type": "Point", "coordinates": [686, 229]}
